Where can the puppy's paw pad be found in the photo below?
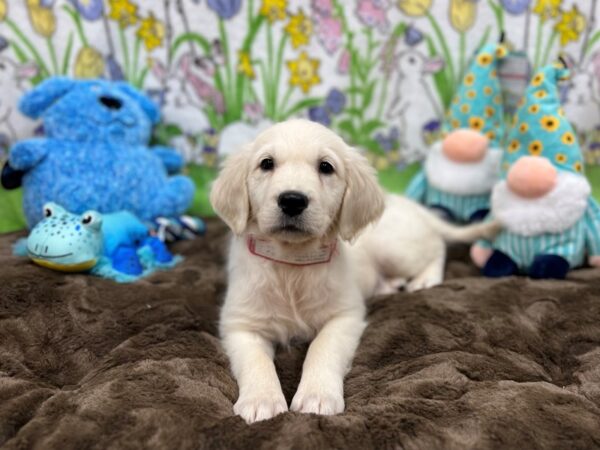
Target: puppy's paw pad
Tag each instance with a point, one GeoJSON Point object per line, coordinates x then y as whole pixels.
{"type": "Point", "coordinates": [260, 407]}
{"type": "Point", "coordinates": [318, 403]}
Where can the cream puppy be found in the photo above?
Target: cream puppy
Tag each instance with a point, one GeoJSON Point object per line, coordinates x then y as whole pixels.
{"type": "Point", "coordinates": [296, 199]}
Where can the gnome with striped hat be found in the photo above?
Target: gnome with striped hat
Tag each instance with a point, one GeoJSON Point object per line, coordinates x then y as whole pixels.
{"type": "Point", "coordinates": [460, 171]}
{"type": "Point", "coordinates": [551, 222]}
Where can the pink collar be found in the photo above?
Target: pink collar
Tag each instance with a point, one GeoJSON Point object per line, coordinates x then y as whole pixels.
{"type": "Point", "coordinates": [267, 249]}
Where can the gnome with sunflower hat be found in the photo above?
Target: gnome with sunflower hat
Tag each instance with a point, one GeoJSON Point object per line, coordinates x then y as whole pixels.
{"type": "Point", "coordinates": [460, 170]}
{"type": "Point", "coordinates": [551, 222]}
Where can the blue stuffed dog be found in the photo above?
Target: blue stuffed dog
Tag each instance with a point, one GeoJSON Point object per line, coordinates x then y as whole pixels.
{"type": "Point", "coordinates": [95, 152]}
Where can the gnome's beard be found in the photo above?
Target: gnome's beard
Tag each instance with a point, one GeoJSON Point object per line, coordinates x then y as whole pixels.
{"type": "Point", "coordinates": [555, 212]}
{"type": "Point", "coordinates": [462, 178]}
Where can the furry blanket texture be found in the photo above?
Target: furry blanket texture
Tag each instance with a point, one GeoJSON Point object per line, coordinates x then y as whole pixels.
{"type": "Point", "coordinates": [86, 363]}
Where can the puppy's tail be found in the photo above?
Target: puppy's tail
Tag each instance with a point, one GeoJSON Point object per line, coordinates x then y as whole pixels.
{"type": "Point", "coordinates": [467, 233]}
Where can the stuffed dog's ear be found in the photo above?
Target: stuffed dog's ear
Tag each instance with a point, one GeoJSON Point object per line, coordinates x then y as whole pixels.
{"type": "Point", "coordinates": [35, 102]}
{"type": "Point", "coordinates": [363, 201]}
{"type": "Point", "coordinates": [229, 192]}
{"type": "Point", "coordinates": [147, 105]}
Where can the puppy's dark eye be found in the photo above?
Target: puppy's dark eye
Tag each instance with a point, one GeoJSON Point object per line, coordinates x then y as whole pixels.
{"type": "Point", "coordinates": [326, 168]}
{"type": "Point", "coordinates": [267, 164]}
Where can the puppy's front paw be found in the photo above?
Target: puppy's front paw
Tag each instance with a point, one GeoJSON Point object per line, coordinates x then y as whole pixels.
{"type": "Point", "coordinates": [318, 400]}
{"type": "Point", "coordinates": [260, 406]}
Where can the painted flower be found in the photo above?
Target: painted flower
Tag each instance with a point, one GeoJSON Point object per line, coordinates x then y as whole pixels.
{"type": "Point", "coordinates": [115, 71]}
{"type": "Point", "coordinates": [432, 131]}
{"type": "Point", "coordinates": [343, 64]}
{"type": "Point", "coordinates": [322, 7]}
{"type": "Point", "coordinates": [335, 101]}
{"type": "Point", "coordinates": [515, 7]}
{"type": "Point", "coordinates": [329, 33]}
{"type": "Point", "coordinates": [373, 13]}
{"type": "Point", "coordinates": [3, 43]}
{"type": "Point", "coordinates": [42, 18]}
{"type": "Point", "coordinates": [550, 123]}
{"type": "Point", "coordinates": [304, 72]}
{"type": "Point", "coordinates": [123, 11]}
{"type": "Point", "coordinates": [245, 65]}
{"type": "Point", "coordinates": [3, 10]}
{"type": "Point", "coordinates": [514, 146]}
{"type": "Point", "coordinates": [273, 9]}
{"type": "Point", "coordinates": [299, 28]}
{"type": "Point", "coordinates": [462, 14]}
{"type": "Point", "coordinates": [88, 63]}
{"type": "Point", "coordinates": [389, 141]}
{"type": "Point", "coordinates": [253, 111]}
{"type": "Point", "coordinates": [151, 32]}
{"type": "Point", "coordinates": [547, 9]}
{"type": "Point", "coordinates": [89, 9]}
{"type": "Point", "coordinates": [524, 127]}
{"type": "Point", "coordinates": [570, 26]}
{"type": "Point", "coordinates": [477, 123]}
{"type": "Point", "coordinates": [536, 147]}
{"type": "Point", "coordinates": [413, 36]}
{"type": "Point", "coordinates": [414, 8]}
{"type": "Point", "coordinates": [226, 9]}
{"type": "Point", "coordinates": [319, 114]}
{"type": "Point", "coordinates": [568, 138]}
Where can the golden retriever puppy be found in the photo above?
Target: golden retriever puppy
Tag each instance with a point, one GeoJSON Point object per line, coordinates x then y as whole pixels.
{"type": "Point", "coordinates": [296, 200]}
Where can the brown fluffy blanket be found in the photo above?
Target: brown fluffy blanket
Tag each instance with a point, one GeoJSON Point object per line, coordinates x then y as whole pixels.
{"type": "Point", "coordinates": [475, 363]}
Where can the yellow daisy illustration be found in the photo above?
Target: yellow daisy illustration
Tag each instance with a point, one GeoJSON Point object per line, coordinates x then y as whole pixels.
{"type": "Point", "coordinates": [151, 32]}
{"type": "Point", "coordinates": [456, 100]}
{"type": "Point", "coordinates": [578, 167]}
{"type": "Point", "coordinates": [514, 146]}
{"type": "Point", "coordinates": [477, 123]}
{"type": "Point", "coordinates": [487, 90]}
{"type": "Point", "coordinates": [489, 111]}
{"type": "Point", "coordinates": [245, 65]}
{"type": "Point", "coordinates": [469, 79]}
{"type": "Point", "coordinates": [536, 147]}
{"type": "Point", "coordinates": [491, 135]}
{"type": "Point", "coordinates": [465, 108]}
{"type": "Point", "coordinates": [471, 93]}
{"type": "Point", "coordinates": [561, 112]}
{"type": "Point", "coordinates": [273, 9]}
{"type": "Point", "coordinates": [498, 99]}
{"type": "Point", "coordinates": [123, 11]}
{"type": "Point", "coordinates": [493, 74]}
{"type": "Point", "coordinates": [501, 51]}
{"type": "Point", "coordinates": [561, 158]}
{"type": "Point", "coordinates": [304, 72]}
{"type": "Point", "coordinates": [538, 79]}
{"type": "Point", "coordinates": [570, 26]}
{"type": "Point", "coordinates": [455, 123]}
{"type": "Point", "coordinates": [523, 127]}
{"type": "Point", "coordinates": [550, 123]}
{"type": "Point", "coordinates": [540, 94]}
{"type": "Point", "coordinates": [299, 29]}
{"type": "Point", "coordinates": [534, 109]}
{"type": "Point", "coordinates": [521, 102]}
{"type": "Point", "coordinates": [568, 138]}
{"type": "Point", "coordinates": [484, 59]}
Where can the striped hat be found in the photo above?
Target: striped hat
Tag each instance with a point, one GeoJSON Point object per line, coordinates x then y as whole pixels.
{"type": "Point", "coordinates": [540, 128]}
{"type": "Point", "coordinates": [478, 102]}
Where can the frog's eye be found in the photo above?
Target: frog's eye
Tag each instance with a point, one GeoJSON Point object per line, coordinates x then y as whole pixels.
{"type": "Point", "coordinates": [51, 209]}
{"type": "Point", "coordinates": [47, 212]}
{"type": "Point", "coordinates": [91, 219]}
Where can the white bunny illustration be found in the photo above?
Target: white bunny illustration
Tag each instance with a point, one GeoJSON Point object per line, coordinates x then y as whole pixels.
{"type": "Point", "coordinates": [414, 103]}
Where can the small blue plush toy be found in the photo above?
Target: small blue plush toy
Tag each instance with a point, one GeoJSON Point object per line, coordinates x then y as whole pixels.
{"type": "Point", "coordinates": [116, 246]}
{"type": "Point", "coordinates": [95, 152]}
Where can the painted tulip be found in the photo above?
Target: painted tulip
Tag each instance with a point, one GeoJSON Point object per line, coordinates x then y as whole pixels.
{"type": "Point", "coordinates": [414, 8]}
{"type": "Point", "coordinates": [42, 18]}
{"type": "Point", "coordinates": [226, 9]}
{"type": "Point", "coordinates": [89, 9]}
{"type": "Point", "coordinates": [319, 114]}
{"type": "Point", "coordinates": [88, 63]}
{"type": "Point", "coordinates": [412, 36]}
{"type": "Point", "coordinates": [462, 14]}
{"type": "Point", "coordinates": [515, 7]}
{"type": "Point", "coordinates": [3, 10]}
{"type": "Point", "coordinates": [335, 101]}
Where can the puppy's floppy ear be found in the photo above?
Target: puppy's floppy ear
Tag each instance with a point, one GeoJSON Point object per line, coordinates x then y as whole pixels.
{"type": "Point", "coordinates": [35, 102]}
{"type": "Point", "coordinates": [363, 201]}
{"type": "Point", "coordinates": [229, 192]}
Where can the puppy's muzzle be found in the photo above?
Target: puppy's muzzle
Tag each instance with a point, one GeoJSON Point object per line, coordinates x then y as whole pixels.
{"type": "Point", "coordinates": [292, 203]}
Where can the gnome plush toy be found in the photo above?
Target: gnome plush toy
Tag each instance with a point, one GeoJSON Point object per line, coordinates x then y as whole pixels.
{"type": "Point", "coordinates": [551, 222]}
{"type": "Point", "coordinates": [460, 171]}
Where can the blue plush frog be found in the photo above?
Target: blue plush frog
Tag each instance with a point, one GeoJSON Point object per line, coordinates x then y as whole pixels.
{"type": "Point", "coordinates": [95, 153]}
{"type": "Point", "coordinates": [116, 245]}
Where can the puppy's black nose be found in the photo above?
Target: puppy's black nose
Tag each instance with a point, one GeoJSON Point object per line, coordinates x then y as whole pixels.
{"type": "Point", "coordinates": [111, 102]}
{"type": "Point", "coordinates": [292, 203]}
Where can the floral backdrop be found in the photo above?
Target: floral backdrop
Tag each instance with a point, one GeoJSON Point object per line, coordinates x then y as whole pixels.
{"type": "Point", "coordinates": [379, 72]}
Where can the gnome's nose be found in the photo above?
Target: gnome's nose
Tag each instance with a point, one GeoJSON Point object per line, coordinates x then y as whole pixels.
{"type": "Point", "coordinates": [465, 145]}
{"type": "Point", "coordinates": [532, 177]}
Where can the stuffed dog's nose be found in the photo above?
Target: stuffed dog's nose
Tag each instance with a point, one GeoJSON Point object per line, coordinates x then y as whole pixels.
{"type": "Point", "coordinates": [465, 145]}
{"type": "Point", "coordinates": [531, 176]}
{"type": "Point", "coordinates": [111, 102]}
{"type": "Point", "coordinates": [292, 203]}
